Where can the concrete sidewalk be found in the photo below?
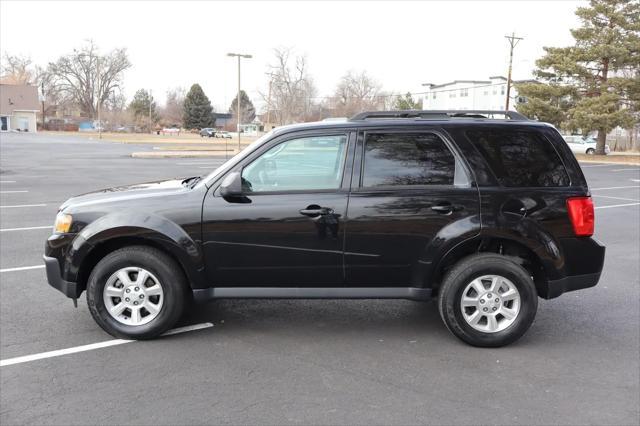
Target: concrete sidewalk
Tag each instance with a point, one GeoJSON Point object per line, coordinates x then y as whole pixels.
{"type": "Point", "coordinates": [613, 158]}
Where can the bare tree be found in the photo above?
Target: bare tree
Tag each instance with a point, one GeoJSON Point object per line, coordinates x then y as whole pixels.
{"type": "Point", "coordinates": [357, 92]}
{"type": "Point", "coordinates": [174, 109]}
{"type": "Point", "coordinates": [16, 69]}
{"type": "Point", "coordinates": [87, 78]}
{"type": "Point", "coordinates": [292, 89]}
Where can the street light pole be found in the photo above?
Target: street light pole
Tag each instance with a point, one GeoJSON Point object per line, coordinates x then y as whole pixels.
{"type": "Point", "coordinates": [99, 99]}
{"type": "Point", "coordinates": [238, 104]}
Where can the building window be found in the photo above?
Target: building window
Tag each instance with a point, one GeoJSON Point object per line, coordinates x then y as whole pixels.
{"type": "Point", "coordinates": [502, 90]}
{"type": "Point", "coordinates": [464, 93]}
{"type": "Point", "coordinates": [452, 94]}
{"type": "Point", "coordinates": [434, 95]}
{"type": "Point", "coordinates": [495, 90]}
{"type": "Point", "coordinates": [486, 92]}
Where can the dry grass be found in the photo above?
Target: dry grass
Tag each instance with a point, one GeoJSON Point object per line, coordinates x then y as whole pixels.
{"type": "Point", "coordinates": [147, 138]}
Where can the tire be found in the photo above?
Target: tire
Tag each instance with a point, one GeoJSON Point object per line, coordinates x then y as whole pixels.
{"type": "Point", "coordinates": [591, 151]}
{"type": "Point", "coordinates": [459, 282]}
{"type": "Point", "coordinates": [162, 270]}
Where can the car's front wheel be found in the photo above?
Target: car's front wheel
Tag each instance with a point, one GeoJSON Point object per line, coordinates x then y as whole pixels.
{"type": "Point", "coordinates": [488, 300]}
{"type": "Point", "coordinates": [591, 151]}
{"type": "Point", "coordinates": [136, 292]}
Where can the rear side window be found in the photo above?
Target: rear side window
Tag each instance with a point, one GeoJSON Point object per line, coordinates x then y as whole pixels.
{"type": "Point", "coordinates": [401, 159]}
{"type": "Point", "coordinates": [520, 158]}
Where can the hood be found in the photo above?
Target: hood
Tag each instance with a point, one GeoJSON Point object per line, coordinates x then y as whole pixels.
{"type": "Point", "coordinates": [127, 192]}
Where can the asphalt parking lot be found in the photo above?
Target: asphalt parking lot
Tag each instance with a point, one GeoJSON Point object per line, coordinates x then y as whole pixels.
{"type": "Point", "coordinates": [301, 362]}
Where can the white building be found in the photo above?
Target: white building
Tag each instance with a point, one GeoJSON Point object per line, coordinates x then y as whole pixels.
{"type": "Point", "coordinates": [471, 95]}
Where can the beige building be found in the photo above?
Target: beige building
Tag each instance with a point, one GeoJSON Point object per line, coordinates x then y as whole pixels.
{"type": "Point", "coordinates": [18, 108]}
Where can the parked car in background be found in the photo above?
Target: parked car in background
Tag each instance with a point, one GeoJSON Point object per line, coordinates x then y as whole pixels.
{"type": "Point", "coordinates": [207, 132]}
{"type": "Point", "coordinates": [173, 130]}
{"type": "Point", "coordinates": [223, 134]}
{"type": "Point", "coordinates": [484, 215]}
{"type": "Point", "coordinates": [583, 145]}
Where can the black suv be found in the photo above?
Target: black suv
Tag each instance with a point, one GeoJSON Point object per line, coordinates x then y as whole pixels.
{"type": "Point", "coordinates": [484, 214]}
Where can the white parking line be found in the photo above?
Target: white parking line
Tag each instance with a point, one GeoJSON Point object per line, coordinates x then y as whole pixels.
{"type": "Point", "coordinates": [7, 181]}
{"type": "Point", "coordinates": [595, 165]}
{"type": "Point", "coordinates": [93, 346]}
{"type": "Point", "coordinates": [25, 229]}
{"type": "Point", "coordinates": [624, 170]}
{"type": "Point", "coordinates": [615, 187]}
{"type": "Point", "coordinates": [12, 192]}
{"type": "Point", "coordinates": [634, 180]}
{"type": "Point", "coordinates": [615, 198]}
{"type": "Point", "coordinates": [22, 268]}
{"type": "Point", "coordinates": [22, 205]}
{"type": "Point", "coordinates": [618, 205]}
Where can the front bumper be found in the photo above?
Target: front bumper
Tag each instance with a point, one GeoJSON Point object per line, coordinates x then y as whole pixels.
{"type": "Point", "coordinates": [54, 277]}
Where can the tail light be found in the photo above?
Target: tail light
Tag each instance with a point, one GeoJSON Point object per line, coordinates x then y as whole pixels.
{"type": "Point", "coordinates": [581, 214]}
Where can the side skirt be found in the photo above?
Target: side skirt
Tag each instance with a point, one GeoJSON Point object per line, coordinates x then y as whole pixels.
{"type": "Point", "coordinates": [411, 293]}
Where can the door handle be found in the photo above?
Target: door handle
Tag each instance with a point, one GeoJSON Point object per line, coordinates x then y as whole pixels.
{"type": "Point", "coordinates": [445, 208]}
{"type": "Point", "coordinates": [314, 211]}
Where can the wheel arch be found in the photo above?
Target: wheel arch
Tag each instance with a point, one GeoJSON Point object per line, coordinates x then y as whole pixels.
{"type": "Point", "coordinates": [103, 248]}
{"type": "Point", "coordinates": [518, 251]}
{"type": "Point", "coordinates": [110, 233]}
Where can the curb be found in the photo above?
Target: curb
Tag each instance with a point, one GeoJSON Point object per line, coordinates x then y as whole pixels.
{"type": "Point", "coordinates": [183, 154]}
{"type": "Point", "coordinates": [629, 160]}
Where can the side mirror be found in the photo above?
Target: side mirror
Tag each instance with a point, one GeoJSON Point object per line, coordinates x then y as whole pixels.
{"type": "Point", "coordinates": [231, 186]}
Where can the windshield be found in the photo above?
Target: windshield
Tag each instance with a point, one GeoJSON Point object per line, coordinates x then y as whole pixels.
{"type": "Point", "coordinates": [208, 179]}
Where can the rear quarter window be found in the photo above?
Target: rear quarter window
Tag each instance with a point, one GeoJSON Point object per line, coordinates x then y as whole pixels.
{"type": "Point", "coordinates": [520, 158]}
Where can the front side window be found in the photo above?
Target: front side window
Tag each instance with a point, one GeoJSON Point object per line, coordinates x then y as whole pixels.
{"type": "Point", "coordinates": [400, 159]}
{"type": "Point", "coordinates": [310, 163]}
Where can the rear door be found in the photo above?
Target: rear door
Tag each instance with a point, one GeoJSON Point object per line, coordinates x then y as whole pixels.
{"type": "Point", "coordinates": [412, 196]}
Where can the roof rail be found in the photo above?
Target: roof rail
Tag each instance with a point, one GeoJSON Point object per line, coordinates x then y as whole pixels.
{"type": "Point", "coordinates": [438, 114]}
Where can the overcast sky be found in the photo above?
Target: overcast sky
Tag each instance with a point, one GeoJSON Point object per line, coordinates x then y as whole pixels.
{"type": "Point", "coordinates": [401, 44]}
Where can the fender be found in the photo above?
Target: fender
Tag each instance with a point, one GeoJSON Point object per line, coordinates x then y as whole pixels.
{"type": "Point", "coordinates": [443, 243]}
{"type": "Point", "coordinates": [539, 243]}
{"type": "Point", "coordinates": [156, 229]}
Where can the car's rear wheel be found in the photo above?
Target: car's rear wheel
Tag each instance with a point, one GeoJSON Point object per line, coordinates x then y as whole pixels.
{"type": "Point", "coordinates": [488, 300]}
{"type": "Point", "coordinates": [136, 292]}
{"type": "Point", "coordinates": [591, 151]}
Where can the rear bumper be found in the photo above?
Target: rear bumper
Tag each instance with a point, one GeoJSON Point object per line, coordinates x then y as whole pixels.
{"type": "Point", "coordinates": [573, 282]}
{"type": "Point", "coordinates": [54, 277]}
{"type": "Point", "coordinates": [583, 264]}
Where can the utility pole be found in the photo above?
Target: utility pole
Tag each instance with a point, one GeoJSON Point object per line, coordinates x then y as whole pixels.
{"type": "Point", "coordinates": [238, 104]}
{"type": "Point", "coordinates": [150, 129]}
{"type": "Point", "coordinates": [513, 41]}
{"type": "Point", "coordinates": [269, 104]}
{"type": "Point", "coordinates": [43, 98]}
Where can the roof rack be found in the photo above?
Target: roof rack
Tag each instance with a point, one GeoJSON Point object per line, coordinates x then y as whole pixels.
{"type": "Point", "coordinates": [437, 114]}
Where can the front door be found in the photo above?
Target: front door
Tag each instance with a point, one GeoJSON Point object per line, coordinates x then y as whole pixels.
{"type": "Point", "coordinates": [411, 195]}
{"type": "Point", "coordinates": [288, 229]}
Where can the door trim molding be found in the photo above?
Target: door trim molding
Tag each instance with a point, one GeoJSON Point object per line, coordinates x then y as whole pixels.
{"type": "Point", "coordinates": [410, 293]}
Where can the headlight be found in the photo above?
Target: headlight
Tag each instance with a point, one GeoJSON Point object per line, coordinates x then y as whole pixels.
{"type": "Point", "coordinates": [63, 223]}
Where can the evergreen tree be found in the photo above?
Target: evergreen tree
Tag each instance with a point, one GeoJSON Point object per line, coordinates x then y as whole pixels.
{"type": "Point", "coordinates": [197, 109]}
{"type": "Point", "coordinates": [594, 84]}
{"type": "Point", "coordinates": [406, 102]}
{"type": "Point", "coordinates": [143, 108]}
{"type": "Point", "coordinates": [248, 110]}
